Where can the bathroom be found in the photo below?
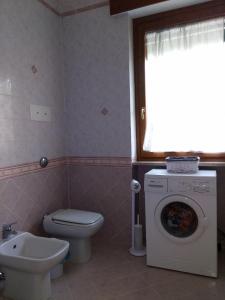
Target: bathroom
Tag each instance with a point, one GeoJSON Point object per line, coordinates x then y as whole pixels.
{"type": "Point", "coordinates": [73, 59]}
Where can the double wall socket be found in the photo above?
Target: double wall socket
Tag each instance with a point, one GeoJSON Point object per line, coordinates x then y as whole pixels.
{"type": "Point", "coordinates": [40, 113]}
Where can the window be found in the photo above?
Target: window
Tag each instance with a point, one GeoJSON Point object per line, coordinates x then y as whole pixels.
{"type": "Point", "coordinates": [180, 95]}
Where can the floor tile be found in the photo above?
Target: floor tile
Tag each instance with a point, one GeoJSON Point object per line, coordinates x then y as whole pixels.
{"type": "Point", "coordinates": [114, 274]}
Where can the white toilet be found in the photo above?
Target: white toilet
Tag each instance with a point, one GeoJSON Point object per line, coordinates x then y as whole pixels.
{"type": "Point", "coordinates": [77, 227]}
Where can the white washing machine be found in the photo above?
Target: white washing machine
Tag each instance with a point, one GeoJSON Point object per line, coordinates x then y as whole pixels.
{"type": "Point", "coordinates": [181, 221]}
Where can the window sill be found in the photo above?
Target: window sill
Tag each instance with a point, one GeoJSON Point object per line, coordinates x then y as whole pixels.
{"type": "Point", "coordinates": [163, 163]}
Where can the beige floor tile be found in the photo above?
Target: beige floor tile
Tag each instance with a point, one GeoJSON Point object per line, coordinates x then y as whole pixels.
{"type": "Point", "coordinates": [143, 294]}
{"type": "Point", "coordinates": [121, 286]}
{"type": "Point", "coordinates": [114, 274]}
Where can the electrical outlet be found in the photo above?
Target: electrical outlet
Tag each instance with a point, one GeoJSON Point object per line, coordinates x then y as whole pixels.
{"type": "Point", "coordinates": [40, 113]}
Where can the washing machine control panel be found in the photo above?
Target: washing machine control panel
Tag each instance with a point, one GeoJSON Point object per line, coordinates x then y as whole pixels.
{"type": "Point", "coordinates": [199, 186]}
{"type": "Point", "coordinates": [156, 185]}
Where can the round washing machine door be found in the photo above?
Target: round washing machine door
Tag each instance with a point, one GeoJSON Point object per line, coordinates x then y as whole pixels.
{"type": "Point", "coordinates": [180, 218]}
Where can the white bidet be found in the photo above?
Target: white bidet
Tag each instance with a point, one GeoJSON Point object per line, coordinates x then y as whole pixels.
{"type": "Point", "coordinates": [26, 261]}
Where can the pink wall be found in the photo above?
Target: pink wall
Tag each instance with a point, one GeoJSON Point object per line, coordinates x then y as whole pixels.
{"type": "Point", "coordinates": [27, 198]}
{"type": "Point", "coordinates": [31, 71]}
{"type": "Point", "coordinates": [32, 40]}
{"type": "Point", "coordinates": [104, 189]}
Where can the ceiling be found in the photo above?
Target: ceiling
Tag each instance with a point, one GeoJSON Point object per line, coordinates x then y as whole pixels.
{"type": "Point", "coordinates": [63, 6]}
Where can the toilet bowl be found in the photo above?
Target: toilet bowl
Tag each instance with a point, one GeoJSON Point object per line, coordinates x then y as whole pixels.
{"type": "Point", "coordinates": [77, 227]}
{"type": "Point", "coordinates": [26, 261]}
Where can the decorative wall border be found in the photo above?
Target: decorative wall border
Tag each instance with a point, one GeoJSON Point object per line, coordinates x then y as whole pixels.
{"type": "Point", "coordinates": [27, 168]}
{"type": "Point", "coordinates": [23, 169]}
{"type": "Point", "coordinates": [99, 161]}
{"type": "Point", "coordinates": [76, 10]}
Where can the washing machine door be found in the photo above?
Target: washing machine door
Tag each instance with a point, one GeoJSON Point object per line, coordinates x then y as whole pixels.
{"type": "Point", "coordinates": [180, 218]}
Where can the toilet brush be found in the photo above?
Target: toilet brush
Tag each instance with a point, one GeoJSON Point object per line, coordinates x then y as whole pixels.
{"type": "Point", "coordinates": [137, 248]}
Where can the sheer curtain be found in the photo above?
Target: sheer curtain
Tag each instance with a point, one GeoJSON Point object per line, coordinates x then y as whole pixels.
{"type": "Point", "coordinates": [185, 89]}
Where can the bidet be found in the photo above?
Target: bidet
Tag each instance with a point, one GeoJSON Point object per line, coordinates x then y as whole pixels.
{"type": "Point", "coordinates": [26, 261]}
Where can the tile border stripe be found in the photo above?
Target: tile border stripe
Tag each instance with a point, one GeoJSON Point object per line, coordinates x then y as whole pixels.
{"type": "Point", "coordinates": [22, 169]}
{"type": "Point", "coordinates": [99, 161]}
{"type": "Point", "coordinates": [27, 168]}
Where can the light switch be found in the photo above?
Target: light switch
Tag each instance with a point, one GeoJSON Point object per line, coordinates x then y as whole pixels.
{"type": "Point", "coordinates": [40, 113]}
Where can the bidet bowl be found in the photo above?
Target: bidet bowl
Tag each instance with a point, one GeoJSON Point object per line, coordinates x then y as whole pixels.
{"type": "Point", "coordinates": [26, 260]}
{"type": "Point", "coordinates": [29, 253]}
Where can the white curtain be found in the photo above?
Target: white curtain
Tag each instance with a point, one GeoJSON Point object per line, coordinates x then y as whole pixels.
{"type": "Point", "coordinates": [185, 89]}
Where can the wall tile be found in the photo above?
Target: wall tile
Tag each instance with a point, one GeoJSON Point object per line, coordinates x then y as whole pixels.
{"type": "Point", "coordinates": [31, 72]}
{"type": "Point", "coordinates": [27, 198]}
{"type": "Point", "coordinates": [106, 190]}
{"type": "Point", "coordinates": [31, 39]}
{"type": "Point", "coordinates": [97, 78]}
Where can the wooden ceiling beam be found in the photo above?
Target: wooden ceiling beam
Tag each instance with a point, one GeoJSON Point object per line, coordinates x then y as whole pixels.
{"type": "Point", "coordinates": [119, 6]}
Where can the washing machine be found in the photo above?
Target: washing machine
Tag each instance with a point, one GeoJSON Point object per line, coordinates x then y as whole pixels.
{"type": "Point", "coordinates": [181, 221]}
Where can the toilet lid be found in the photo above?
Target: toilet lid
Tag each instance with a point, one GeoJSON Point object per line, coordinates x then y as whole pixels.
{"type": "Point", "coordinates": [76, 216]}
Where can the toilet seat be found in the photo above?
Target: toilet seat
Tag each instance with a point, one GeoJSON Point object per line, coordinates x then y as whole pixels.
{"type": "Point", "coordinates": [75, 226]}
{"type": "Point", "coordinates": [75, 217]}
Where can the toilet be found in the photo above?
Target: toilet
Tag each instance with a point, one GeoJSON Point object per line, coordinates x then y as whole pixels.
{"type": "Point", "coordinates": [75, 226]}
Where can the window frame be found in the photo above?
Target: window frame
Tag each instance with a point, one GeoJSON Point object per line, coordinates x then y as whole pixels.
{"type": "Point", "coordinates": [182, 16]}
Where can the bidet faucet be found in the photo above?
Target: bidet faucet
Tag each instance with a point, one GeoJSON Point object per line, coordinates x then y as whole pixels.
{"type": "Point", "coordinates": [7, 229]}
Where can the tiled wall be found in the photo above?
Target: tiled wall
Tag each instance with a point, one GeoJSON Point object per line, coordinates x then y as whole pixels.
{"type": "Point", "coordinates": [98, 115]}
{"type": "Point", "coordinates": [104, 189]}
{"type": "Point", "coordinates": [27, 198]}
{"type": "Point", "coordinates": [30, 73]}
{"type": "Point", "coordinates": [97, 84]}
